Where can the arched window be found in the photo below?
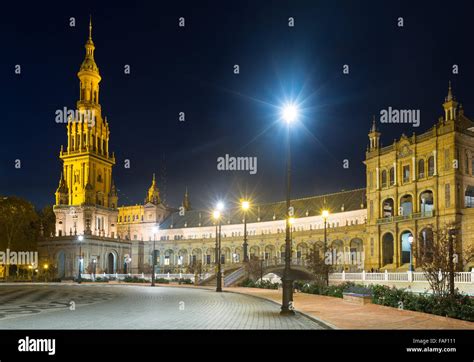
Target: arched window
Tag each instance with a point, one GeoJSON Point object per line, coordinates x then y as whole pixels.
{"type": "Point", "coordinates": [392, 176]}
{"type": "Point", "coordinates": [421, 168]}
{"type": "Point", "coordinates": [469, 197]}
{"type": "Point", "coordinates": [431, 166]}
{"type": "Point", "coordinates": [384, 178]}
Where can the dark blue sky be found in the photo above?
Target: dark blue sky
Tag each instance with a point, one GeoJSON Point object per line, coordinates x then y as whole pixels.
{"type": "Point", "coordinates": [191, 70]}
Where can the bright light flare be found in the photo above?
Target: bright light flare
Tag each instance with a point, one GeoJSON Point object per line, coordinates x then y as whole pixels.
{"type": "Point", "coordinates": [289, 113]}
{"type": "Point", "coordinates": [220, 206]}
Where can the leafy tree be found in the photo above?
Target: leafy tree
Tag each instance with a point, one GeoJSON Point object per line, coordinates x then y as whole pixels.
{"type": "Point", "coordinates": [48, 221]}
{"type": "Point", "coordinates": [254, 267]}
{"type": "Point", "coordinates": [317, 264]}
{"type": "Point", "coordinates": [19, 224]}
{"type": "Point", "coordinates": [195, 268]}
{"type": "Point", "coordinates": [434, 258]}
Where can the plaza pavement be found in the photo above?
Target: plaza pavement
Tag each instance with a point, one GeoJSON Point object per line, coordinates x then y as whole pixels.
{"type": "Point", "coordinates": [118, 305]}
{"type": "Point", "coordinates": [340, 314]}
{"type": "Point", "coordinates": [122, 306]}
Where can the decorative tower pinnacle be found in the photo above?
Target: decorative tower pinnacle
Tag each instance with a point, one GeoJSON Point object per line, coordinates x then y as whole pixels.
{"type": "Point", "coordinates": [450, 105]}
{"type": "Point", "coordinates": [374, 136]}
{"type": "Point", "coordinates": [153, 195]}
{"type": "Point", "coordinates": [113, 196]}
{"type": "Point", "coordinates": [186, 203]}
{"type": "Point", "coordinates": [62, 192]}
{"type": "Point", "coordinates": [89, 74]}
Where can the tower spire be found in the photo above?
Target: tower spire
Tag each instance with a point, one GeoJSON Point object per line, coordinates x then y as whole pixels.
{"type": "Point", "coordinates": [450, 93]}
{"type": "Point", "coordinates": [186, 203]}
{"type": "Point", "coordinates": [90, 28]}
{"type": "Point", "coordinates": [374, 126]}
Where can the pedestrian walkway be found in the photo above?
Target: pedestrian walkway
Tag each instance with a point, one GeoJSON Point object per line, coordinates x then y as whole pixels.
{"type": "Point", "coordinates": [340, 314]}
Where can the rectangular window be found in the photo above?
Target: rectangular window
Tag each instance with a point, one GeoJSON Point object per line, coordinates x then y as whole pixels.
{"type": "Point", "coordinates": [371, 246]}
{"type": "Point", "coordinates": [371, 210]}
{"type": "Point", "coordinates": [446, 160]}
{"type": "Point", "coordinates": [447, 195]}
{"type": "Point", "coordinates": [469, 197]}
{"type": "Point", "coordinates": [406, 173]}
{"type": "Point", "coordinates": [469, 202]}
{"type": "Point", "coordinates": [466, 163]}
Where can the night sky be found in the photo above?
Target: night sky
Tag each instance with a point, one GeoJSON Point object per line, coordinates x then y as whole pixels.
{"type": "Point", "coordinates": [190, 70]}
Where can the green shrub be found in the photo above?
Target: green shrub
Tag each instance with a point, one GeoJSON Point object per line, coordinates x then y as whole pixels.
{"type": "Point", "coordinates": [129, 279]}
{"type": "Point", "coordinates": [248, 283]}
{"type": "Point", "coordinates": [457, 306]}
{"type": "Point", "coordinates": [185, 281]}
{"type": "Point", "coordinates": [264, 284]}
{"type": "Point", "coordinates": [323, 289]}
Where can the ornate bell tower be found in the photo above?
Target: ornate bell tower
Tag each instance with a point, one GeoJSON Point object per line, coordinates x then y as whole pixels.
{"type": "Point", "coordinates": [87, 164]}
{"type": "Point", "coordinates": [86, 185]}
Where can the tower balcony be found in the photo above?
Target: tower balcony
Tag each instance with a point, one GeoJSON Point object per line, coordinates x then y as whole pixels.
{"type": "Point", "coordinates": [413, 216]}
{"type": "Point", "coordinates": [85, 151]}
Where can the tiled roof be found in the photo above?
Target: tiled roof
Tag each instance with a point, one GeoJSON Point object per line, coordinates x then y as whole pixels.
{"type": "Point", "coordinates": [308, 206]}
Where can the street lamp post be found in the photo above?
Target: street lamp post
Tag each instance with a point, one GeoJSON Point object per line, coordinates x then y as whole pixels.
{"type": "Point", "coordinates": [289, 115]}
{"type": "Point", "coordinates": [245, 207]}
{"type": "Point", "coordinates": [94, 268]}
{"type": "Point", "coordinates": [325, 215]}
{"type": "Point", "coordinates": [218, 217]}
{"type": "Point", "coordinates": [451, 237]}
{"type": "Point", "coordinates": [80, 238]}
{"type": "Point", "coordinates": [45, 269]}
{"type": "Point", "coordinates": [410, 241]}
{"type": "Point", "coordinates": [155, 230]}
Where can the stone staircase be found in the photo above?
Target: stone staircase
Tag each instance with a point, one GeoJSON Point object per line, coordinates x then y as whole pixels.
{"type": "Point", "coordinates": [389, 267]}
{"type": "Point", "coordinates": [392, 268]}
{"type": "Point", "coordinates": [403, 268]}
{"type": "Point", "coordinates": [229, 273]}
{"type": "Point", "coordinates": [235, 277]}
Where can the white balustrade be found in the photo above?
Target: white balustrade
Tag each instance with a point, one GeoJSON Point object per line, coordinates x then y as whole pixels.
{"type": "Point", "coordinates": [460, 277]}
